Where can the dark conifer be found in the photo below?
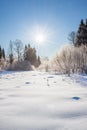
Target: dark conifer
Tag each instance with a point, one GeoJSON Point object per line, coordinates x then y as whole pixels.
{"type": "Point", "coordinates": [11, 59]}
{"type": "Point", "coordinates": [81, 38]}
{"type": "Point", "coordinates": [39, 61]}
{"type": "Point", "coordinates": [3, 53]}
{"type": "Point", "coordinates": [0, 53]}
{"type": "Point", "coordinates": [30, 55]}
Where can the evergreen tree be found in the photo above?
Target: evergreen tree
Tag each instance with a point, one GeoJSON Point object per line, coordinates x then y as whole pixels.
{"type": "Point", "coordinates": [3, 53]}
{"type": "Point", "coordinates": [11, 52]}
{"type": "Point", "coordinates": [25, 53]}
{"type": "Point", "coordinates": [39, 61]}
{"type": "Point", "coordinates": [11, 59]}
{"type": "Point", "coordinates": [82, 23]}
{"type": "Point", "coordinates": [30, 54]}
{"type": "Point", "coordinates": [0, 53]}
{"type": "Point", "coordinates": [81, 38]}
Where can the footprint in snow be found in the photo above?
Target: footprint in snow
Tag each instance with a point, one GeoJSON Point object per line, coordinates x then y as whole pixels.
{"type": "Point", "coordinates": [27, 83]}
{"type": "Point", "coordinates": [13, 95]}
{"type": "Point", "coordinates": [76, 98]}
{"type": "Point", "coordinates": [50, 77]}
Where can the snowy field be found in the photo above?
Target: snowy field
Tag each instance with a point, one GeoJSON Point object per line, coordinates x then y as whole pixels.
{"type": "Point", "coordinates": [41, 101]}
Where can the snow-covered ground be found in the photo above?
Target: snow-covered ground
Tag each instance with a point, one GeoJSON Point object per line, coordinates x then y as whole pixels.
{"type": "Point", "coordinates": [41, 101]}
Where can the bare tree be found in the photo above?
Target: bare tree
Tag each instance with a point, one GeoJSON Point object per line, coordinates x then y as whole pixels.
{"type": "Point", "coordinates": [18, 47]}
{"type": "Point", "coordinates": [72, 37]}
{"type": "Point", "coordinates": [11, 47]}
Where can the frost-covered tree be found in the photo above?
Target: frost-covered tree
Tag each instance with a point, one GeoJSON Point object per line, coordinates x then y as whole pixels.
{"type": "Point", "coordinates": [72, 60]}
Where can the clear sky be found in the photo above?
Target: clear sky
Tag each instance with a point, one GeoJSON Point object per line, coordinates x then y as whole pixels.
{"type": "Point", "coordinates": [20, 19]}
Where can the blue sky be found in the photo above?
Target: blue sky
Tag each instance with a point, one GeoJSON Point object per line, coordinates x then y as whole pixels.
{"type": "Point", "coordinates": [19, 18]}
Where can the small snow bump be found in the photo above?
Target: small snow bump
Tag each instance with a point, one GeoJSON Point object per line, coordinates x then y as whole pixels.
{"type": "Point", "coordinates": [34, 75]}
{"type": "Point", "coordinates": [1, 98]}
{"type": "Point", "coordinates": [1, 89]}
{"type": "Point", "coordinates": [17, 87]}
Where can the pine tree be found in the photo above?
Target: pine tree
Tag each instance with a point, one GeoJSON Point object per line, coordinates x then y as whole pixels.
{"type": "Point", "coordinates": [0, 53]}
{"type": "Point", "coordinates": [39, 61]}
{"type": "Point", "coordinates": [3, 53]}
{"type": "Point", "coordinates": [81, 38]}
{"type": "Point", "coordinates": [11, 52]}
{"type": "Point", "coordinates": [30, 54]}
{"type": "Point", "coordinates": [11, 59]}
{"type": "Point", "coordinates": [25, 53]}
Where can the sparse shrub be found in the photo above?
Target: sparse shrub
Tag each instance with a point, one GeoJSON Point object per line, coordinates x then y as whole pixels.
{"type": "Point", "coordinates": [21, 65]}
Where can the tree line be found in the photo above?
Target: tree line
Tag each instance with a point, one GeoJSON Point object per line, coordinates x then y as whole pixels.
{"type": "Point", "coordinates": [17, 53]}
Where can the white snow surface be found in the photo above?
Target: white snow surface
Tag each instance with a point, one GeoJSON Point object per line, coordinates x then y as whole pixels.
{"type": "Point", "coordinates": [35, 100]}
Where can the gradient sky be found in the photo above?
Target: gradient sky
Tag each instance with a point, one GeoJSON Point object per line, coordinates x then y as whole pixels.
{"type": "Point", "coordinates": [20, 18]}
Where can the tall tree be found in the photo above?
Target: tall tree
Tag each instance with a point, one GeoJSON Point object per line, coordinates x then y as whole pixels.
{"type": "Point", "coordinates": [0, 53]}
{"type": "Point", "coordinates": [39, 61]}
{"type": "Point", "coordinates": [11, 52]}
{"type": "Point", "coordinates": [25, 53]}
{"type": "Point", "coordinates": [30, 55]}
{"type": "Point", "coordinates": [3, 53]}
{"type": "Point", "coordinates": [81, 37]}
{"type": "Point", "coordinates": [11, 58]}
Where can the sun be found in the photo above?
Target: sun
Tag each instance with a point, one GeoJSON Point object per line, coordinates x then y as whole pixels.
{"type": "Point", "coordinates": [41, 35]}
{"type": "Point", "coordinates": [40, 38]}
